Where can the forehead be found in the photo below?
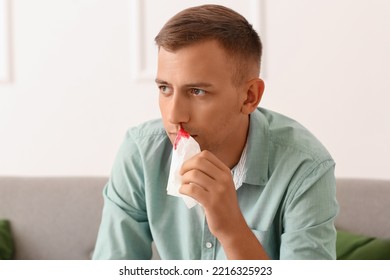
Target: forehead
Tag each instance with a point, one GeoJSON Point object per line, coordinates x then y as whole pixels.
{"type": "Point", "coordinates": [205, 60]}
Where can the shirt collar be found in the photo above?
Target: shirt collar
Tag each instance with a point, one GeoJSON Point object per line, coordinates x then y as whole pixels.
{"type": "Point", "coordinates": [253, 166]}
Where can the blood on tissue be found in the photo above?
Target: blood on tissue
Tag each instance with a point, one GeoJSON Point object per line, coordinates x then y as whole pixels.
{"type": "Point", "coordinates": [180, 134]}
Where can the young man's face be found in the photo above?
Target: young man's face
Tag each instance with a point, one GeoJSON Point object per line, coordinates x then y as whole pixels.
{"type": "Point", "coordinates": [196, 91]}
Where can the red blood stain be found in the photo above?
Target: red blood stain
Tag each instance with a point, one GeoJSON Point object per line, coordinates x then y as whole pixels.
{"type": "Point", "coordinates": [180, 134]}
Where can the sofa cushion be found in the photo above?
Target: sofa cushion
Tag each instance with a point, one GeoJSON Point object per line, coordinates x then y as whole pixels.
{"type": "Point", "coordinates": [52, 218]}
{"type": "Point", "coordinates": [350, 246]}
{"type": "Point", "coordinates": [6, 241]}
{"type": "Point", "coordinates": [364, 206]}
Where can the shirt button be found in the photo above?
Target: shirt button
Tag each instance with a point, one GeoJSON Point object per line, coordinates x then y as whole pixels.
{"type": "Point", "coordinates": [209, 245]}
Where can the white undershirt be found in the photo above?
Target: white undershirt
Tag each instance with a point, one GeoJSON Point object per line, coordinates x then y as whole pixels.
{"type": "Point", "coordinates": [238, 171]}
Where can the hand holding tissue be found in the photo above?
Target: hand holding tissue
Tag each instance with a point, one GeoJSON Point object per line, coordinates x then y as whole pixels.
{"type": "Point", "coordinates": [184, 148]}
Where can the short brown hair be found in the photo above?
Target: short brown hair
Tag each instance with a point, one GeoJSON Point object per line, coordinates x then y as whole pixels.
{"type": "Point", "coordinates": [214, 22]}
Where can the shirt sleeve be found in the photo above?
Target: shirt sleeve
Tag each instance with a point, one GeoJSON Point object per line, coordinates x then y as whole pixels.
{"type": "Point", "coordinates": [124, 232]}
{"type": "Point", "coordinates": [308, 221]}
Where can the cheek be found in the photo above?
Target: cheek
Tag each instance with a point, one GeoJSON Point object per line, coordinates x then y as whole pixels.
{"type": "Point", "coordinates": [224, 118]}
{"type": "Point", "coordinates": [222, 110]}
{"type": "Point", "coordinates": [214, 114]}
{"type": "Point", "coordinates": [163, 112]}
{"type": "Point", "coordinates": [160, 103]}
{"type": "Point", "coordinates": [163, 108]}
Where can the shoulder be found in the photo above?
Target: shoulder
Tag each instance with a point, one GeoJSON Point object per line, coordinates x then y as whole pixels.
{"type": "Point", "coordinates": [289, 135]}
{"type": "Point", "coordinates": [149, 129]}
{"type": "Point", "coordinates": [148, 133]}
{"type": "Point", "coordinates": [148, 138]}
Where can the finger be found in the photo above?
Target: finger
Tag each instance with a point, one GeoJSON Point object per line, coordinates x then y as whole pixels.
{"type": "Point", "coordinates": [205, 162]}
{"type": "Point", "coordinates": [195, 191]}
{"type": "Point", "coordinates": [197, 177]}
{"type": "Point", "coordinates": [214, 160]}
{"type": "Point", "coordinates": [201, 163]}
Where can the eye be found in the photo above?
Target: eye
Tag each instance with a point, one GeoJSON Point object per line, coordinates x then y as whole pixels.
{"type": "Point", "coordinates": [197, 91]}
{"type": "Point", "coordinates": [164, 89]}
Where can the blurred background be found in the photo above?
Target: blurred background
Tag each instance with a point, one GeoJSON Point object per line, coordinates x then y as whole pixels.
{"type": "Point", "coordinates": [76, 74]}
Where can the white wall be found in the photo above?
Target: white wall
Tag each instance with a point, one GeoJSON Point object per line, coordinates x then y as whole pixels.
{"type": "Point", "coordinates": [327, 66]}
{"type": "Point", "coordinates": [76, 84]}
{"type": "Point", "coordinates": [71, 98]}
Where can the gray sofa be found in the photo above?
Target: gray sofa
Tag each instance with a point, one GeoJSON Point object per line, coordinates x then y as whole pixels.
{"type": "Point", "coordinates": [58, 218]}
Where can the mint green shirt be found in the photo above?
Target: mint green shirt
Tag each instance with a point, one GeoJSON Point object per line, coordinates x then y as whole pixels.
{"type": "Point", "coordinates": [287, 197]}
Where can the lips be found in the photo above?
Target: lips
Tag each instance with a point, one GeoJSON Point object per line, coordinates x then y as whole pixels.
{"type": "Point", "coordinates": [174, 133]}
{"type": "Point", "coordinates": [177, 135]}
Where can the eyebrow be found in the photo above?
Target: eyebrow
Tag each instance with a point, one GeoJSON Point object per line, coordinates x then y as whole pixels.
{"type": "Point", "coordinates": [158, 81]}
{"type": "Point", "coordinates": [190, 85]}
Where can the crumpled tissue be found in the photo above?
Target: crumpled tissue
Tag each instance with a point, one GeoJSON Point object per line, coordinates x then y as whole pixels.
{"type": "Point", "coordinates": [184, 148]}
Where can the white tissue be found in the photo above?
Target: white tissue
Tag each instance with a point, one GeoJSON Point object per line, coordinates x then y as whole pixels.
{"type": "Point", "coordinates": [185, 149]}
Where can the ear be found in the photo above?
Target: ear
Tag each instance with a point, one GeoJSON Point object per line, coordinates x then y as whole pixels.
{"type": "Point", "coordinates": [254, 93]}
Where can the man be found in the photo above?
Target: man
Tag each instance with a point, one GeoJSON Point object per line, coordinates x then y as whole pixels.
{"type": "Point", "coordinates": [265, 185]}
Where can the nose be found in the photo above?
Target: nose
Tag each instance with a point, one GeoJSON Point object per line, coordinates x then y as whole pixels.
{"type": "Point", "coordinates": [178, 111]}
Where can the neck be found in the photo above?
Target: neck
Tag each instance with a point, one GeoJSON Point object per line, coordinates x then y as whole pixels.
{"type": "Point", "coordinates": [235, 146]}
